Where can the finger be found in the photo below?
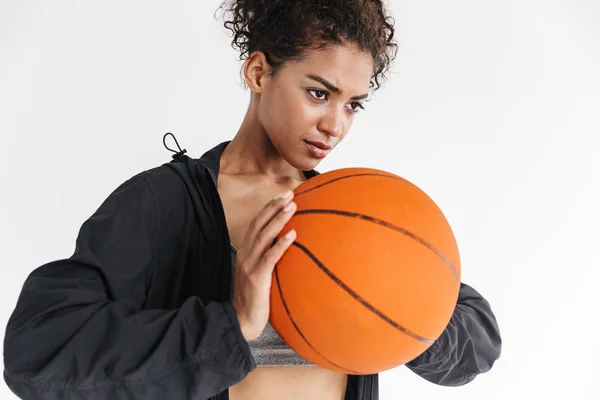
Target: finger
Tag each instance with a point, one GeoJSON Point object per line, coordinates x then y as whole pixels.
{"type": "Point", "coordinates": [267, 213]}
{"type": "Point", "coordinates": [274, 254]}
{"type": "Point", "coordinates": [266, 237]}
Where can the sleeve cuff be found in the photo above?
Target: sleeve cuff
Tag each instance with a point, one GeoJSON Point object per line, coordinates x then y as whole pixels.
{"type": "Point", "coordinates": [250, 362]}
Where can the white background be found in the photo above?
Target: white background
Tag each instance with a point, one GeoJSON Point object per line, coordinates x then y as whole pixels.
{"type": "Point", "coordinates": [493, 110]}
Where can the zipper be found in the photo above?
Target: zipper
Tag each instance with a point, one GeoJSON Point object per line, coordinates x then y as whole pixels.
{"type": "Point", "coordinates": [369, 389]}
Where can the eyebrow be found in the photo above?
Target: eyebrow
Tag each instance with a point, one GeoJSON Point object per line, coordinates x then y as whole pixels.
{"type": "Point", "coordinates": [332, 87]}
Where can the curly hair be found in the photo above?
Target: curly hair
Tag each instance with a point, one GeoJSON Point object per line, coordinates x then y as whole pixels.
{"type": "Point", "coordinates": [284, 29]}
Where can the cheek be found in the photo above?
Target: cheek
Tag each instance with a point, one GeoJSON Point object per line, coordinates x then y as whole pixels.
{"type": "Point", "coordinates": [348, 123]}
{"type": "Point", "coordinates": [287, 113]}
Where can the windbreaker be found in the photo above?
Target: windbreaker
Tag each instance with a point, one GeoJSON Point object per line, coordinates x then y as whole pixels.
{"type": "Point", "coordinates": [142, 308]}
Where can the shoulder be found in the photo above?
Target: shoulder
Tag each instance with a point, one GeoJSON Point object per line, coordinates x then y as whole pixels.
{"type": "Point", "coordinates": [163, 181]}
{"type": "Point", "coordinates": [158, 195]}
{"type": "Point", "coordinates": [169, 186]}
{"type": "Point", "coordinates": [153, 184]}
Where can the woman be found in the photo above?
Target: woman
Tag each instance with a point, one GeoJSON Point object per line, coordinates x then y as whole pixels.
{"type": "Point", "coordinates": [167, 293]}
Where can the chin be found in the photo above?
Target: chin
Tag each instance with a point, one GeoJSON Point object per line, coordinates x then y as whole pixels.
{"type": "Point", "coordinates": [303, 162]}
{"type": "Point", "coordinates": [309, 164]}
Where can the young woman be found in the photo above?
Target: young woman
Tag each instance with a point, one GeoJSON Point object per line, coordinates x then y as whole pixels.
{"type": "Point", "coordinates": [167, 293]}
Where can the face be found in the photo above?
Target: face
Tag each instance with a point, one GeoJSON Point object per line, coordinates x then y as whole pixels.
{"type": "Point", "coordinates": [308, 107]}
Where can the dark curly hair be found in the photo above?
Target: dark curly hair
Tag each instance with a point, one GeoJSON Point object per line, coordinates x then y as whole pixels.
{"type": "Point", "coordinates": [284, 29]}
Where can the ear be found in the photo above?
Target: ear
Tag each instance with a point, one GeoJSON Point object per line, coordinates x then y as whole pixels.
{"type": "Point", "coordinates": [256, 71]}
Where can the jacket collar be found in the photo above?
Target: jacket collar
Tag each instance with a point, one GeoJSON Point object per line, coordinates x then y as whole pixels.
{"type": "Point", "coordinates": [212, 158]}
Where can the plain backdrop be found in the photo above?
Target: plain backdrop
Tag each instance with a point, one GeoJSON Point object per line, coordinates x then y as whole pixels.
{"type": "Point", "coordinates": [492, 109]}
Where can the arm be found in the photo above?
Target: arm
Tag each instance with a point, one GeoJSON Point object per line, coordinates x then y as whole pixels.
{"type": "Point", "coordinates": [79, 331]}
{"type": "Point", "coordinates": [469, 345]}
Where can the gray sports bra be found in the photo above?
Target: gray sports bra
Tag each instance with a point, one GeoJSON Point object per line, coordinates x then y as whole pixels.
{"type": "Point", "coordinates": [269, 349]}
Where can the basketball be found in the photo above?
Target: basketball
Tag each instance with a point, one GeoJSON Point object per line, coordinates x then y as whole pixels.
{"type": "Point", "coordinates": [372, 279]}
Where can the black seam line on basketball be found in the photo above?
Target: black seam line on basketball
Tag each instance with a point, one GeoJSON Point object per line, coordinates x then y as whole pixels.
{"type": "Point", "coordinates": [387, 225]}
{"type": "Point", "coordinates": [344, 177]}
{"type": "Point", "coordinates": [357, 297]}
{"type": "Point", "coordinates": [287, 311]}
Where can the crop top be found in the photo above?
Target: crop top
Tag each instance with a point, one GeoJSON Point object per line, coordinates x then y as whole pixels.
{"type": "Point", "coordinates": [269, 349]}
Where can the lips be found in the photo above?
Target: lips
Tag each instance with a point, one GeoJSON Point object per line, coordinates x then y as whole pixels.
{"type": "Point", "coordinates": [320, 145]}
{"type": "Point", "coordinates": [315, 151]}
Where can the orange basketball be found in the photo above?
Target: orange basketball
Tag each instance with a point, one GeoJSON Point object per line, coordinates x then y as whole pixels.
{"type": "Point", "coordinates": [373, 276]}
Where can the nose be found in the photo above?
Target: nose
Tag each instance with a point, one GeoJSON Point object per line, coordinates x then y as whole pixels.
{"type": "Point", "coordinates": [332, 122]}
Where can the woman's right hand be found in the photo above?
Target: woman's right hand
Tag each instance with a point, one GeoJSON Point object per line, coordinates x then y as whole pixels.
{"type": "Point", "coordinates": [255, 261]}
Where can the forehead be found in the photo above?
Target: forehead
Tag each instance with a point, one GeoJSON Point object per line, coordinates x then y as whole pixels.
{"type": "Point", "coordinates": [346, 66]}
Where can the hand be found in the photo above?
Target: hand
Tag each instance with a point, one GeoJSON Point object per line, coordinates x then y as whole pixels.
{"type": "Point", "coordinates": [255, 261]}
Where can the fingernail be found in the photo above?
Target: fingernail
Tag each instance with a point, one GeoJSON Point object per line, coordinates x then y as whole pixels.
{"type": "Point", "coordinates": [289, 207]}
{"type": "Point", "coordinates": [285, 195]}
{"type": "Point", "coordinates": [289, 235]}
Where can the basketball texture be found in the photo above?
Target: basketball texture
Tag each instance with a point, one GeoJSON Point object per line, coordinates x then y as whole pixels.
{"type": "Point", "coordinates": [373, 276]}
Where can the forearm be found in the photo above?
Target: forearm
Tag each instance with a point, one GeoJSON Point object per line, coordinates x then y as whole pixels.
{"type": "Point", "coordinates": [469, 345]}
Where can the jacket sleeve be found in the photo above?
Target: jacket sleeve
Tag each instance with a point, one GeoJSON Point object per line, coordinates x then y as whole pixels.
{"type": "Point", "coordinates": [469, 345]}
{"type": "Point", "coordinates": [79, 329]}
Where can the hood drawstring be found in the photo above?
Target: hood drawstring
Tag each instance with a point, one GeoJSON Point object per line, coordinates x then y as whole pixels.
{"type": "Point", "coordinates": [179, 155]}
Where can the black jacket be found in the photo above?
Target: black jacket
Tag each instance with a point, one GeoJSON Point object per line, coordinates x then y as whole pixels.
{"type": "Point", "coordinates": [142, 309]}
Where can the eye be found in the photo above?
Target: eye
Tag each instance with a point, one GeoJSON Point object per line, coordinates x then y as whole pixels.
{"type": "Point", "coordinates": [356, 106]}
{"type": "Point", "coordinates": [318, 94]}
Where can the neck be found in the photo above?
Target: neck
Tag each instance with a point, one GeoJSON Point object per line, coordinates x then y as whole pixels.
{"type": "Point", "coordinates": [251, 152]}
